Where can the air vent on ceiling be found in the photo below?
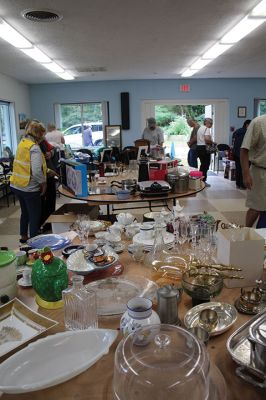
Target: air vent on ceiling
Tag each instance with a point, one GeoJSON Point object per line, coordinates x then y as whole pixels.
{"type": "Point", "coordinates": [41, 15]}
{"type": "Point", "coordinates": [91, 69]}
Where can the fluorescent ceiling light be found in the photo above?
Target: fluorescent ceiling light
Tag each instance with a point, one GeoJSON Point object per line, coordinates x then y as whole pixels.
{"type": "Point", "coordinates": [37, 55]}
{"type": "Point", "coordinates": [53, 67]}
{"type": "Point", "coordinates": [12, 36]}
{"type": "Point", "coordinates": [188, 72]}
{"type": "Point", "coordinates": [65, 75]}
{"type": "Point", "coordinates": [200, 63]}
{"type": "Point", "coordinates": [242, 29]}
{"type": "Point", "coordinates": [216, 50]}
{"type": "Point", "coordinates": [259, 10]}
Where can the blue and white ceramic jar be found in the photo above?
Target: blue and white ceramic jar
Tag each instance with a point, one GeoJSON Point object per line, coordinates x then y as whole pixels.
{"type": "Point", "coordinates": [139, 313]}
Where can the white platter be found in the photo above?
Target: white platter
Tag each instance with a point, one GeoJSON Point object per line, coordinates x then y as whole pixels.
{"type": "Point", "coordinates": [19, 324]}
{"type": "Point", "coordinates": [167, 237]}
{"type": "Point", "coordinates": [227, 315]}
{"type": "Point", "coordinates": [54, 359]}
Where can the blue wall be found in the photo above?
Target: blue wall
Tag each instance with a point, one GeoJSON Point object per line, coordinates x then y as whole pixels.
{"type": "Point", "coordinates": [239, 92]}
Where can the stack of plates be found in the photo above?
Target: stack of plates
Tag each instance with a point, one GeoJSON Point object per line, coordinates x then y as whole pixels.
{"type": "Point", "coordinates": [149, 243]}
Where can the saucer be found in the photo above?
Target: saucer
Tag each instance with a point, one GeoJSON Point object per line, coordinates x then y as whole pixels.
{"type": "Point", "coordinates": [22, 283]}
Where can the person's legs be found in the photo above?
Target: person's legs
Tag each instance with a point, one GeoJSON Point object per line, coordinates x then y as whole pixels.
{"type": "Point", "coordinates": [251, 217]}
{"type": "Point", "coordinates": [34, 211]}
{"type": "Point", "coordinates": [205, 160]}
{"type": "Point", "coordinates": [24, 217]}
{"type": "Point", "coordinates": [192, 158]}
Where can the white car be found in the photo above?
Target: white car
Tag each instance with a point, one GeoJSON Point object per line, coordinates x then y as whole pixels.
{"type": "Point", "coordinates": [73, 134]}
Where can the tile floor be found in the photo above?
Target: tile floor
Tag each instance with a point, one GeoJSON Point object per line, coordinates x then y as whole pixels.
{"type": "Point", "coordinates": [222, 200]}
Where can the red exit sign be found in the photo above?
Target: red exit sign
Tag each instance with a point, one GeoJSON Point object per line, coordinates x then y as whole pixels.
{"type": "Point", "coordinates": [184, 88]}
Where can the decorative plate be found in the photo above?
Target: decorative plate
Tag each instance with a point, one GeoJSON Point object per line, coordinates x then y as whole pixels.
{"type": "Point", "coordinates": [71, 249]}
{"type": "Point", "coordinates": [32, 369]}
{"type": "Point", "coordinates": [114, 293]}
{"type": "Point", "coordinates": [19, 324]}
{"type": "Point", "coordinates": [77, 263]}
{"type": "Point", "coordinates": [227, 316]}
{"type": "Point", "coordinates": [51, 240]}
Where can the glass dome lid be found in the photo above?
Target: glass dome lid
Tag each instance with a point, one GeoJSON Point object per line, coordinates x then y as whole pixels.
{"type": "Point", "coordinates": [161, 361]}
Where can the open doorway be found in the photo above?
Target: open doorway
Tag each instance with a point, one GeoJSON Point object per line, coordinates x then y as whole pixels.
{"type": "Point", "coordinates": [173, 120]}
{"type": "Point", "coordinates": [171, 116]}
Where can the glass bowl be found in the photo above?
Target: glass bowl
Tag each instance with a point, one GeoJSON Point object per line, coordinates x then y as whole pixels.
{"type": "Point", "coordinates": [202, 284]}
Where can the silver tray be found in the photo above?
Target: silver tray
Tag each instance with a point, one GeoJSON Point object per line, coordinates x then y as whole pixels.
{"type": "Point", "coordinates": [239, 348]}
{"type": "Point", "coordinates": [227, 316]}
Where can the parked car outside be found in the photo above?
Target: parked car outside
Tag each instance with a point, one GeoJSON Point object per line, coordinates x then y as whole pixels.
{"type": "Point", "coordinates": [73, 134]}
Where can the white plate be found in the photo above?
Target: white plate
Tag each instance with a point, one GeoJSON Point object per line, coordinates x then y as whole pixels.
{"type": "Point", "coordinates": [77, 263]}
{"type": "Point", "coordinates": [21, 323]}
{"type": "Point", "coordinates": [54, 359]}
{"type": "Point", "coordinates": [167, 237]}
{"type": "Point", "coordinates": [24, 284]}
{"type": "Point", "coordinates": [227, 315]}
{"type": "Point", "coordinates": [114, 293]}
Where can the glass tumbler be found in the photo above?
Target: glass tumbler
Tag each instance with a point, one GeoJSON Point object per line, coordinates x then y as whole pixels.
{"type": "Point", "coordinates": [80, 306]}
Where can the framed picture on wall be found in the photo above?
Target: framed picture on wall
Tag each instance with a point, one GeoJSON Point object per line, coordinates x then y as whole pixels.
{"type": "Point", "coordinates": [242, 112]}
{"type": "Point", "coordinates": [113, 136]}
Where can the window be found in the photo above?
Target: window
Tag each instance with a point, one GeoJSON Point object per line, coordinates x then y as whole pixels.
{"type": "Point", "coordinates": [259, 107]}
{"type": "Point", "coordinates": [82, 123]}
{"type": "Point", "coordinates": [6, 142]}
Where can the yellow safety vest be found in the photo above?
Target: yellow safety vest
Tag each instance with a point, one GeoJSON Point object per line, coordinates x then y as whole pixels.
{"type": "Point", "coordinates": [22, 165]}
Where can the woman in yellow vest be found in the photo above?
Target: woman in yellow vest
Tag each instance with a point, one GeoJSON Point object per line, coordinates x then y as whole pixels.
{"type": "Point", "coordinates": [28, 180]}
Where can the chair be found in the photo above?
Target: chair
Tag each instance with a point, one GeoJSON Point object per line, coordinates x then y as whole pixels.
{"type": "Point", "coordinates": [129, 153]}
{"type": "Point", "coordinates": [142, 142]}
{"type": "Point", "coordinates": [222, 148]}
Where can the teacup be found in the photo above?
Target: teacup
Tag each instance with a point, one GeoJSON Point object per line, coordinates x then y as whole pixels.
{"type": "Point", "coordinates": [21, 257]}
{"type": "Point", "coordinates": [146, 231]}
{"type": "Point", "coordinates": [27, 276]}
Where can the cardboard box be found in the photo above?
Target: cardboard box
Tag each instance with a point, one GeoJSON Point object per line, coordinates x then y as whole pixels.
{"type": "Point", "coordinates": [64, 216]}
{"type": "Point", "coordinates": [243, 248]}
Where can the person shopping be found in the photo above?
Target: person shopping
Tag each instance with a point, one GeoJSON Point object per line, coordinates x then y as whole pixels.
{"type": "Point", "coordinates": [28, 180]}
{"type": "Point", "coordinates": [204, 137]}
{"type": "Point", "coordinates": [237, 140]}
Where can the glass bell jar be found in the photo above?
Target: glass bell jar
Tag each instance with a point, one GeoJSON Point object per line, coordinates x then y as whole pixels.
{"type": "Point", "coordinates": [164, 362]}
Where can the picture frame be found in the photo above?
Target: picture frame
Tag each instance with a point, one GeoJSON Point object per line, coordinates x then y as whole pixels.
{"type": "Point", "coordinates": [241, 112]}
{"type": "Point", "coordinates": [113, 136]}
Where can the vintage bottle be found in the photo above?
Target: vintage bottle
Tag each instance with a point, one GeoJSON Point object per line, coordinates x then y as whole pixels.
{"type": "Point", "coordinates": [80, 307]}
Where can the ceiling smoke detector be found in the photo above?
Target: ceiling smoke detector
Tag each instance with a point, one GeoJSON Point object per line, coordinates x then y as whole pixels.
{"type": "Point", "coordinates": [41, 15]}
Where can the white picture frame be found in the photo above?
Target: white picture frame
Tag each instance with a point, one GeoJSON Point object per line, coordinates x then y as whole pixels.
{"type": "Point", "coordinates": [140, 149]}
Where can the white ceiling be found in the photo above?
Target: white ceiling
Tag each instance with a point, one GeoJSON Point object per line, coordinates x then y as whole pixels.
{"type": "Point", "coordinates": [140, 39]}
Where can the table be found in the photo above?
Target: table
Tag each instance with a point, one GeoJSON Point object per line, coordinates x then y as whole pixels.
{"type": "Point", "coordinates": [96, 382]}
{"type": "Point", "coordinates": [111, 199]}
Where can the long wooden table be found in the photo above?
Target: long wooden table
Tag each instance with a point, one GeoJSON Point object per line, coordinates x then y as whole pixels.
{"type": "Point", "coordinates": [96, 382]}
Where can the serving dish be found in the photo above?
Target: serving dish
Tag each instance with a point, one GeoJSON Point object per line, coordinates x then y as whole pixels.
{"type": "Point", "coordinates": [19, 324]}
{"type": "Point", "coordinates": [114, 293]}
{"type": "Point", "coordinates": [32, 369]}
{"type": "Point", "coordinates": [71, 249]}
{"type": "Point", "coordinates": [227, 316]}
{"type": "Point", "coordinates": [149, 243]}
{"type": "Point", "coordinates": [55, 242]}
{"type": "Point", "coordinates": [77, 263]}
{"type": "Point", "coordinates": [240, 349]}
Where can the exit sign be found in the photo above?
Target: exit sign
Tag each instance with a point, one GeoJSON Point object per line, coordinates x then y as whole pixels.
{"type": "Point", "coordinates": [184, 88]}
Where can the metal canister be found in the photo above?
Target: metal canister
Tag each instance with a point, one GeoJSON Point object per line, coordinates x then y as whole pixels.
{"type": "Point", "coordinates": [178, 181]}
{"type": "Point", "coordinates": [168, 298]}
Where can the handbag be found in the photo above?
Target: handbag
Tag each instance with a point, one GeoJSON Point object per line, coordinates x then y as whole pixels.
{"type": "Point", "coordinates": [211, 148]}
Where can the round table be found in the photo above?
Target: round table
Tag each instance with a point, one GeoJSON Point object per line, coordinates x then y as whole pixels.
{"type": "Point", "coordinates": [111, 199]}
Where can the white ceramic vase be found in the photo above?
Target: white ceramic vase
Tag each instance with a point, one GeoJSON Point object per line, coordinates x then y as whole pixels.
{"type": "Point", "coordinates": [139, 313]}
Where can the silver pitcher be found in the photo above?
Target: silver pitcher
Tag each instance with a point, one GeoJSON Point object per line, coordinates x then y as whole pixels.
{"type": "Point", "coordinates": [168, 298]}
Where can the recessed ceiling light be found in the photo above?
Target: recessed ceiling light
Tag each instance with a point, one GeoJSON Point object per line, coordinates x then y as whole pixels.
{"type": "Point", "coordinates": [240, 30]}
{"type": "Point", "coordinates": [200, 63]}
{"type": "Point", "coordinates": [216, 50]}
{"type": "Point", "coordinates": [12, 36]}
{"type": "Point", "coordinates": [66, 75]}
{"type": "Point", "coordinates": [37, 55]}
{"type": "Point", "coordinates": [189, 72]}
{"type": "Point", "coordinates": [53, 67]}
